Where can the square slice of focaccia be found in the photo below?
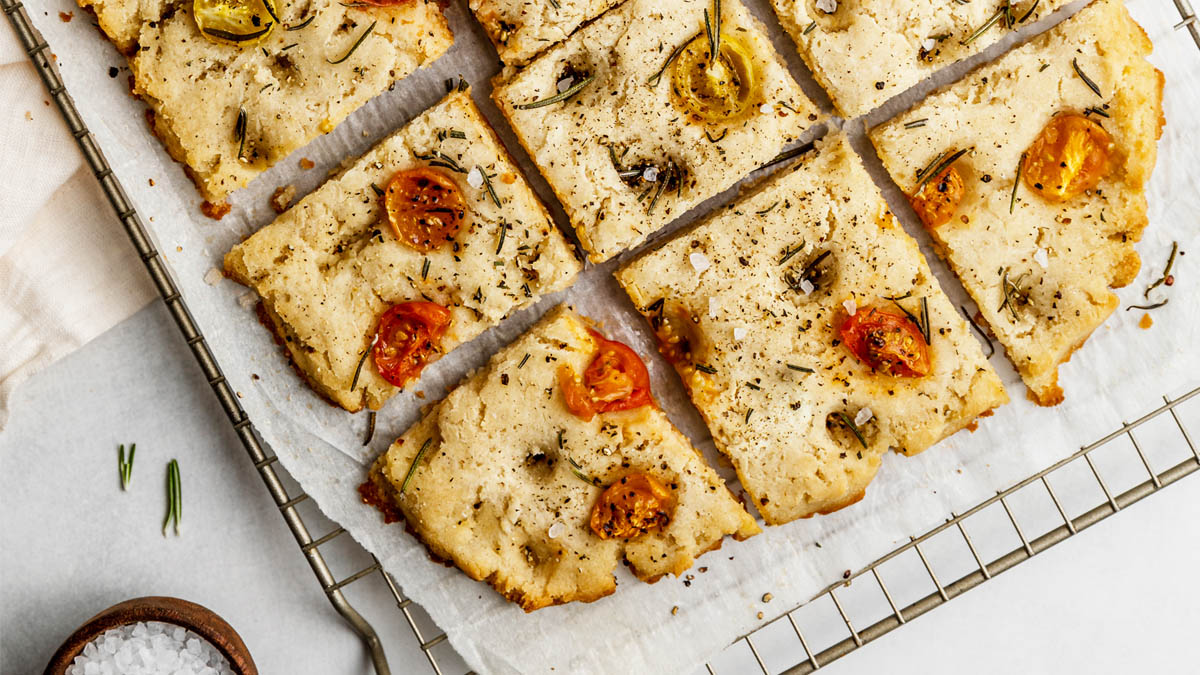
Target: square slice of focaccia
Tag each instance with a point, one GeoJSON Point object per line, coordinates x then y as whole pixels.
{"type": "Point", "coordinates": [229, 105]}
{"type": "Point", "coordinates": [632, 127]}
{"type": "Point", "coordinates": [866, 51]}
{"type": "Point", "coordinates": [812, 336]}
{"type": "Point", "coordinates": [361, 310]}
{"type": "Point", "coordinates": [1039, 215]}
{"type": "Point", "coordinates": [522, 29]}
{"type": "Point", "coordinates": [508, 477]}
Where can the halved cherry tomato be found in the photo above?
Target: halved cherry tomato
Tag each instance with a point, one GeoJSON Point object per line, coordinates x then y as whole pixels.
{"type": "Point", "coordinates": [407, 336]}
{"type": "Point", "coordinates": [889, 343]}
{"type": "Point", "coordinates": [939, 198]}
{"type": "Point", "coordinates": [425, 208]}
{"type": "Point", "coordinates": [676, 333]}
{"type": "Point", "coordinates": [242, 23]}
{"type": "Point", "coordinates": [635, 505]}
{"type": "Point", "coordinates": [715, 92]}
{"type": "Point", "coordinates": [616, 379]}
{"type": "Point", "coordinates": [1069, 157]}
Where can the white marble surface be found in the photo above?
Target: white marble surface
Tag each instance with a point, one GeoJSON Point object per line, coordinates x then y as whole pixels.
{"type": "Point", "coordinates": [1124, 596]}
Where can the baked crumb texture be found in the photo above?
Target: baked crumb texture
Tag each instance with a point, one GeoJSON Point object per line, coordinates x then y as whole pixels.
{"type": "Point", "coordinates": [864, 52]}
{"type": "Point", "coordinates": [329, 266]}
{"type": "Point", "coordinates": [643, 122]}
{"type": "Point", "coordinates": [522, 29]}
{"type": "Point", "coordinates": [767, 370]}
{"type": "Point", "coordinates": [286, 86]}
{"type": "Point", "coordinates": [495, 492]}
{"type": "Point", "coordinates": [1086, 243]}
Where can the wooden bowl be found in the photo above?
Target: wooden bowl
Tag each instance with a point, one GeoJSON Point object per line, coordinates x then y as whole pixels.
{"type": "Point", "coordinates": [198, 619]}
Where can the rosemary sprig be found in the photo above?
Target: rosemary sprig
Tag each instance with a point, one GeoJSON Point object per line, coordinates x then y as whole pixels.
{"type": "Point", "coordinates": [238, 37]}
{"type": "Point", "coordinates": [1091, 84]}
{"type": "Point", "coordinates": [937, 167]}
{"type": "Point", "coordinates": [370, 427]}
{"type": "Point", "coordinates": [653, 81]}
{"type": "Point", "coordinates": [1012, 201]}
{"type": "Point", "coordinates": [412, 468]}
{"type": "Point", "coordinates": [487, 182]}
{"type": "Point", "coordinates": [981, 331]}
{"type": "Point", "coordinates": [303, 24]}
{"type": "Point", "coordinates": [1166, 277]}
{"type": "Point", "coordinates": [174, 497]}
{"type": "Point", "coordinates": [354, 47]}
{"type": "Point", "coordinates": [125, 468]}
{"type": "Point", "coordinates": [1029, 12]}
{"type": "Point", "coordinates": [362, 360]}
{"type": "Point", "coordinates": [1148, 307]}
{"type": "Point", "coordinates": [271, 10]}
{"type": "Point", "coordinates": [560, 96]}
{"type": "Point", "coordinates": [239, 131]}
{"type": "Point", "coordinates": [853, 428]}
{"type": "Point", "coordinates": [1000, 14]}
{"type": "Point", "coordinates": [922, 321]}
{"type": "Point", "coordinates": [1012, 293]}
{"type": "Point", "coordinates": [712, 26]}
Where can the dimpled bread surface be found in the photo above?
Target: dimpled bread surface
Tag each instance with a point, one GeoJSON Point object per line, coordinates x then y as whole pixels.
{"type": "Point", "coordinates": [495, 492]}
{"type": "Point", "coordinates": [285, 86]}
{"type": "Point", "coordinates": [327, 268]}
{"type": "Point", "coordinates": [521, 29]}
{"type": "Point", "coordinates": [867, 51]}
{"type": "Point", "coordinates": [1086, 243]}
{"type": "Point", "coordinates": [773, 378]}
{"type": "Point", "coordinates": [622, 116]}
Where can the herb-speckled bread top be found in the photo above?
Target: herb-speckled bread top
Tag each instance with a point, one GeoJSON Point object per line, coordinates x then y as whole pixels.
{"type": "Point", "coordinates": [608, 152]}
{"type": "Point", "coordinates": [866, 51]}
{"type": "Point", "coordinates": [765, 284]}
{"type": "Point", "coordinates": [286, 87]}
{"type": "Point", "coordinates": [1060, 258]}
{"type": "Point", "coordinates": [329, 267]}
{"type": "Point", "coordinates": [521, 29]}
{"type": "Point", "coordinates": [495, 491]}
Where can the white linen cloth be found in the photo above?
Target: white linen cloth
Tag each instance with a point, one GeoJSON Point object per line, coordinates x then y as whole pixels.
{"type": "Point", "coordinates": [67, 271]}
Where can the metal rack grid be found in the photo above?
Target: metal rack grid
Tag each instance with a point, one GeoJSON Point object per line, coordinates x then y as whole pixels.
{"type": "Point", "coordinates": [287, 501]}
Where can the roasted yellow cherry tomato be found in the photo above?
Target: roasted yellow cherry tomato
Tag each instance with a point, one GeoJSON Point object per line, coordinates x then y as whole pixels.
{"type": "Point", "coordinates": [938, 199]}
{"type": "Point", "coordinates": [715, 92]}
{"type": "Point", "coordinates": [1068, 158]}
{"type": "Point", "coordinates": [242, 23]}
{"type": "Point", "coordinates": [635, 505]}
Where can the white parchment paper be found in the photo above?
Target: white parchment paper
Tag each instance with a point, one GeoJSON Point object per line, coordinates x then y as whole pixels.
{"type": "Point", "coordinates": [1122, 372]}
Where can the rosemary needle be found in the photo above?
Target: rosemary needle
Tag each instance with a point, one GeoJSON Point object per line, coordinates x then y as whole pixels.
{"type": "Point", "coordinates": [1012, 202]}
{"type": "Point", "coordinates": [853, 428]}
{"type": "Point", "coordinates": [354, 47]}
{"type": "Point", "coordinates": [560, 96]}
{"type": "Point", "coordinates": [304, 24]}
{"type": "Point", "coordinates": [370, 427]}
{"type": "Point", "coordinates": [174, 497]}
{"type": "Point", "coordinates": [238, 37]}
{"type": "Point", "coordinates": [653, 81]}
{"type": "Point", "coordinates": [126, 467]}
{"type": "Point", "coordinates": [1091, 84]}
{"type": "Point", "coordinates": [412, 469]}
{"type": "Point", "coordinates": [579, 473]}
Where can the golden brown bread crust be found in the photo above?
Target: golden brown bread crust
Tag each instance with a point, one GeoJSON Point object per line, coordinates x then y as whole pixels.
{"type": "Point", "coordinates": [1064, 257]}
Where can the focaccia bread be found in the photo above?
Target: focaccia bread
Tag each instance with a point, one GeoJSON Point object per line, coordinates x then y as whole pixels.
{"type": "Point", "coordinates": [1040, 267]}
{"type": "Point", "coordinates": [754, 307]}
{"type": "Point", "coordinates": [866, 51]}
{"type": "Point", "coordinates": [331, 271]}
{"type": "Point", "coordinates": [521, 29]}
{"type": "Point", "coordinates": [647, 130]}
{"type": "Point", "coordinates": [503, 478]}
{"type": "Point", "coordinates": [228, 110]}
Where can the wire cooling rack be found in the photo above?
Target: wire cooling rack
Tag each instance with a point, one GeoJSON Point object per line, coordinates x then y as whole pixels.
{"type": "Point", "coordinates": [816, 626]}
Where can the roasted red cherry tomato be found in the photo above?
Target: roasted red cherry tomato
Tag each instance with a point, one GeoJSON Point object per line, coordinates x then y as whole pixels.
{"type": "Point", "coordinates": [616, 379]}
{"type": "Point", "coordinates": [888, 343]}
{"type": "Point", "coordinates": [408, 335]}
{"type": "Point", "coordinates": [425, 208]}
{"type": "Point", "coordinates": [635, 505]}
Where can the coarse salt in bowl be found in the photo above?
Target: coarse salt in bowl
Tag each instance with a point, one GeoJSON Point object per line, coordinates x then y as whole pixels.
{"type": "Point", "coordinates": [149, 648]}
